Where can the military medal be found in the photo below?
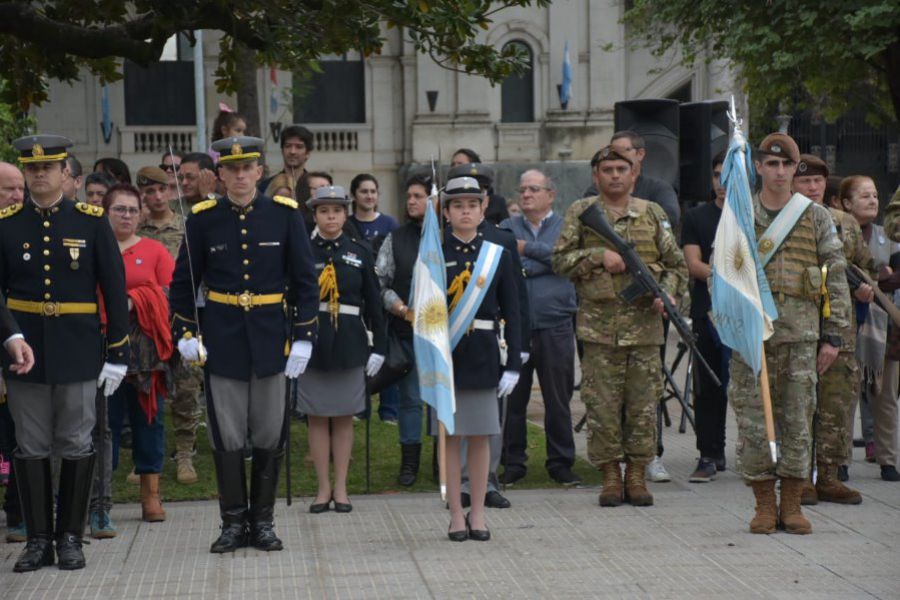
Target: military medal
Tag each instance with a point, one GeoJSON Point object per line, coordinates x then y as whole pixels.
{"type": "Point", "coordinates": [74, 252]}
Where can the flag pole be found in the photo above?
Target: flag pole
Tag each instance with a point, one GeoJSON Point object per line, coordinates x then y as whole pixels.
{"type": "Point", "coordinates": [442, 460]}
{"type": "Point", "coordinates": [767, 408]}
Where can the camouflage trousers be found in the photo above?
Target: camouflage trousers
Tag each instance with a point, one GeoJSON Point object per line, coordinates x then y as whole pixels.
{"type": "Point", "coordinates": [792, 384]}
{"type": "Point", "coordinates": [838, 390]}
{"type": "Point", "coordinates": [621, 387]}
{"type": "Point", "coordinates": [185, 404]}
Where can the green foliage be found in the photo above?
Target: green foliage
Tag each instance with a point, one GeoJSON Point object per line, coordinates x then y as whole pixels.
{"type": "Point", "coordinates": [827, 55]}
{"type": "Point", "coordinates": [57, 38]}
{"type": "Point", "coordinates": [13, 124]}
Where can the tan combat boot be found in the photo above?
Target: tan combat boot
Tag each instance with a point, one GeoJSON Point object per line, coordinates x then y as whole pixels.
{"type": "Point", "coordinates": [611, 495]}
{"type": "Point", "coordinates": [809, 496]}
{"type": "Point", "coordinates": [636, 491]}
{"type": "Point", "coordinates": [792, 518]}
{"type": "Point", "coordinates": [766, 517]}
{"type": "Point", "coordinates": [184, 465]}
{"type": "Point", "coordinates": [830, 489]}
{"type": "Point", "coordinates": [151, 506]}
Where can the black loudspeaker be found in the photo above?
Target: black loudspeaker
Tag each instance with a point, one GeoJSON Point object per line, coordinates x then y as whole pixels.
{"type": "Point", "coordinates": [657, 121]}
{"type": "Point", "coordinates": [704, 133]}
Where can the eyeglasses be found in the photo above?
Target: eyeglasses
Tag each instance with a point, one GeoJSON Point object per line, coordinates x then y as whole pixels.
{"type": "Point", "coordinates": [534, 189]}
{"type": "Point", "coordinates": [167, 168]}
{"type": "Point", "coordinates": [124, 210]}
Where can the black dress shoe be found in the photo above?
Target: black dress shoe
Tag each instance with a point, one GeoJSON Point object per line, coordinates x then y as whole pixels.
{"type": "Point", "coordinates": [465, 499]}
{"type": "Point", "coordinates": [512, 474]}
{"type": "Point", "coordinates": [342, 507]}
{"type": "Point", "coordinates": [68, 549]}
{"type": "Point", "coordinates": [38, 553]}
{"type": "Point", "coordinates": [233, 536]}
{"type": "Point", "coordinates": [495, 499]}
{"type": "Point", "coordinates": [320, 507]}
{"type": "Point", "coordinates": [479, 535]}
{"type": "Point", "coordinates": [889, 473]}
{"type": "Point", "coordinates": [565, 476]}
{"type": "Point", "coordinates": [262, 537]}
{"type": "Point", "coordinates": [458, 536]}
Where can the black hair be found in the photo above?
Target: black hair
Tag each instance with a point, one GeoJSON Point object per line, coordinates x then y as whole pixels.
{"type": "Point", "coordinates": [177, 153]}
{"type": "Point", "coordinates": [418, 179]}
{"type": "Point", "coordinates": [719, 159]}
{"type": "Point", "coordinates": [224, 119]}
{"type": "Point", "coordinates": [298, 131]}
{"type": "Point", "coordinates": [322, 174]}
{"type": "Point", "coordinates": [75, 170]}
{"type": "Point", "coordinates": [201, 159]}
{"type": "Point", "coordinates": [115, 168]}
{"type": "Point", "coordinates": [99, 177]}
{"type": "Point", "coordinates": [470, 154]}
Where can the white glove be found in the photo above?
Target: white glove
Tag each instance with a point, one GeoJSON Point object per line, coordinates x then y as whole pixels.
{"type": "Point", "coordinates": [374, 364]}
{"type": "Point", "coordinates": [524, 356]}
{"type": "Point", "coordinates": [111, 377]}
{"type": "Point", "coordinates": [507, 383]}
{"type": "Point", "coordinates": [189, 350]}
{"type": "Point", "coordinates": [298, 359]}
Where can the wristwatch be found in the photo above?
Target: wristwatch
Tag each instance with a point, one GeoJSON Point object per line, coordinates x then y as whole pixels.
{"type": "Point", "coordinates": [832, 340]}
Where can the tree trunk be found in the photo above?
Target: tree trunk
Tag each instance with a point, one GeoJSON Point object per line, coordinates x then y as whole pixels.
{"type": "Point", "coordinates": [247, 89]}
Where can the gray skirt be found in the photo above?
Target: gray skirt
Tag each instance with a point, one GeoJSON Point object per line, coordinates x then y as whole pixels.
{"type": "Point", "coordinates": [477, 413]}
{"type": "Point", "coordinates": [332, 393]}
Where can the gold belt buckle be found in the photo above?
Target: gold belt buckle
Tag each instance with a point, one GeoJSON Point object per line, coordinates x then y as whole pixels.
{"type": "Point", "coordinates": [50, 309]}
{"type": "Point", "coordinates": [245, 300]}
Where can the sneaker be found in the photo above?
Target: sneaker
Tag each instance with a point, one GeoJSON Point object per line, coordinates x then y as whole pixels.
{"type": "Point", "coordinates": [705, 471]}
{"type": "Point", "coordinates": [870, 452]}
{"type": "Point", "coordinates": [889, 473]}
{"type": "Point", "coordinates": [565, 476]}
{"type": "Point", "coordinates": [17, 534]}
{"type": "Point", "coordinates": [843, 473]}
{"type": "Point", "coordinates": [656, 471]}
{"type": "Point", "coordinates": [511, 475]}
{"type": "Point", "coordinates": [721, 464]}
{"type": "Point", "coordinates": [102, 527]}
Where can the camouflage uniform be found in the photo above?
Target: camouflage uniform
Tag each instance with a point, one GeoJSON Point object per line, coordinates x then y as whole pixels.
{"type": "Point", "coordinates": [892, 217]}
{"type": "Point", "coordinates": [621, 365]}
{"type": "Point", "coordinates": [795, 277]}
{"type": "Point", "coordinates": [839, 386]}
{"type": "Point", "coordinates": [186, 410]}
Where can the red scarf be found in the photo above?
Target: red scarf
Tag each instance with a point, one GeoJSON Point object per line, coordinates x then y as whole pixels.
{"type": "Point", "coordinates": [152, 310]}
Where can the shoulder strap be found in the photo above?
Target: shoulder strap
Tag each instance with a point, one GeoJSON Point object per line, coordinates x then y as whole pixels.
{"type": "Point", "coordinates": [483, 274]}
{"type": "Point", "coordinates": [781, 227]}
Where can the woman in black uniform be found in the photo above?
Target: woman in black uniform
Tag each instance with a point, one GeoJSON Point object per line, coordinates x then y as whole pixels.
{"type": "Point", "coordinates": [478, 375]}
{"type": "Point", "coordinates": [333, 388]}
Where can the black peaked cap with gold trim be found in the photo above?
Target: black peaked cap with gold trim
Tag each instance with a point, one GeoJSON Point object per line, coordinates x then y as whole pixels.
{"type": "Point", "coordinates": [238, 149]}
{"type": "Point", "coordinates": [41, 148]}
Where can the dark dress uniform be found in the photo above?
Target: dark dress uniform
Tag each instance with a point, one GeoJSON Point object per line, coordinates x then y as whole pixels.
{"type": "Point", "coordinates": [253, 259]}
{"type": "Point", "coordinates": [8, 325]}
{"type": "Point", "coordinates": [334, 383]}
{"type": "Point", "coordinates": [52, 262]}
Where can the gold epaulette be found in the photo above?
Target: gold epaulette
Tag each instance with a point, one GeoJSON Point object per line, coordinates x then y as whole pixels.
{"type": "Point", "coordinates": [89, 209]}
{"type": "Point", "coordinates": [205, 205]}
{"type": "Point", "coordinates": [10, 210]}
{"type": "Point", "coordinates": [285, 201]}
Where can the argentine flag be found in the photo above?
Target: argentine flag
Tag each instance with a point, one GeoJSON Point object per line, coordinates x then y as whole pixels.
{"type": "Point", "coordinates": [431, 340]}
{"type": "Point", "coordinates": [565, 91]}
{"type": "Point", "coordinates": [742, 305]}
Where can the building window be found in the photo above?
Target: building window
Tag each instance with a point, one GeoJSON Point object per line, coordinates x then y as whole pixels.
{"type": "Point", "coordinates": [162, 93]}
{"type": "Point", "coordinates": [517, 91]}
{"type": "Point", "coordinates": [336, 95]}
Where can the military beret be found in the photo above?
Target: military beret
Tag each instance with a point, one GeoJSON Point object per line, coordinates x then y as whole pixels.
{"type": "Point", "coordinates": [42, 148]}
{"type": "Point", "coordinates": [151, 176]}
{"type": "Point", "coordinates": [238, 149]}
{"type": "Point", "coordinates": [608, 153]}
{"type": "Point", "coordinates": [809, 165]}
{"type": "Point", "coordinates": [482, 173]}
{"type": "Point", "coordinates": [781, 145]}
{"type": "Point", "coordinates": [462, 187]}
{"type": "Point", "coordinates": [328, 194]}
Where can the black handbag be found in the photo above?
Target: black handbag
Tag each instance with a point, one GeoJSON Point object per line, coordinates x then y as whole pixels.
{"type": "Point", "coordinates": [398, 363]}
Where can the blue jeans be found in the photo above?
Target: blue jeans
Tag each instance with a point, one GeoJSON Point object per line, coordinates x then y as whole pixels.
{"type": "Point", "coordinates": [149, 445]}
{"type": "Point", "coordinates": [389, 403]}
{"type": "Point", "coordinates": [409, 413]}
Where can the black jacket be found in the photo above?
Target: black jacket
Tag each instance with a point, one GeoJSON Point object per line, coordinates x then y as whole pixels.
{"type": "Point", "coordinates": [63, 254]}
{"type": "Point", "coordinates": [507, 239]}
{"type": "Point", "coordinates": [346, 345]}
{"type": "Point", "coordinates": [262, 248]}
{"type": "Point", "coordinates": [476, 359]}
{"type": "Point", "coordinates": [8, 325]}
{"type": "Point", "coordinates": [405, 247]}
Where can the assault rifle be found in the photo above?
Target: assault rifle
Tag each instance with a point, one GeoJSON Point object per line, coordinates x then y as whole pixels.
{"type": "Point", "coordinates": [644, 282]}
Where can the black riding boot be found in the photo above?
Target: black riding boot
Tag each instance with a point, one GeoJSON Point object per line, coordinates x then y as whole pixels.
{"type": "Point", "coordinates": [75, 480]}
{"type": "Point", "coordinates": [263, 485]}
{"type": "Point", "coordinates": [232, 480]}
{"type": "Point", "coordinates": [36, 497]}
{"type": "Point", "coordinates": [409, 465]}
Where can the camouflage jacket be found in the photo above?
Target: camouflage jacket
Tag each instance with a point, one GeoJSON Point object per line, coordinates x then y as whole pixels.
{"type": "Point", "coordinates": [169, 235]}
{"type": "Point", "coordinates": [603, 317]}
{"type": "Point", "coordinates": [892, 217]}
{"type": "Point", "coordinates": [857, 252]}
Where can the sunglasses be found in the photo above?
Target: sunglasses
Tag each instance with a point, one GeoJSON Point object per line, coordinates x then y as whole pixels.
{"type": "Point", "coordinates": [167, 168]}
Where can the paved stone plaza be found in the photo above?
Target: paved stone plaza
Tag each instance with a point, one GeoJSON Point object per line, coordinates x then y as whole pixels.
{"type": "Point", "coordinates": [552, 543]}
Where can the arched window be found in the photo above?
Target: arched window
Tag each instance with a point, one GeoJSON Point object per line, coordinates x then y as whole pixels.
{"type": "Point", "coordinates": [517, 91]}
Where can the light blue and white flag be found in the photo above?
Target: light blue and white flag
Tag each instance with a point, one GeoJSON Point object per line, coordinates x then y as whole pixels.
{"type": "Point", "coordinates": [434, 361]}
{"type": "Point", "coordinates": [565, 91]}
{"type": "Point", "coordinates": [742, 305]}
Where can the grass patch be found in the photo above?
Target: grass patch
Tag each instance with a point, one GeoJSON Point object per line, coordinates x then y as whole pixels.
{"type": "Point", "coordinates": [384, 456]}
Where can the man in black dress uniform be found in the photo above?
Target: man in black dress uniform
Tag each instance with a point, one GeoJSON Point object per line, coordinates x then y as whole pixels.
{"type": "Point", "coordinates": [253, 254]}
{"type": "Point", "coordinates": [54, 253]}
